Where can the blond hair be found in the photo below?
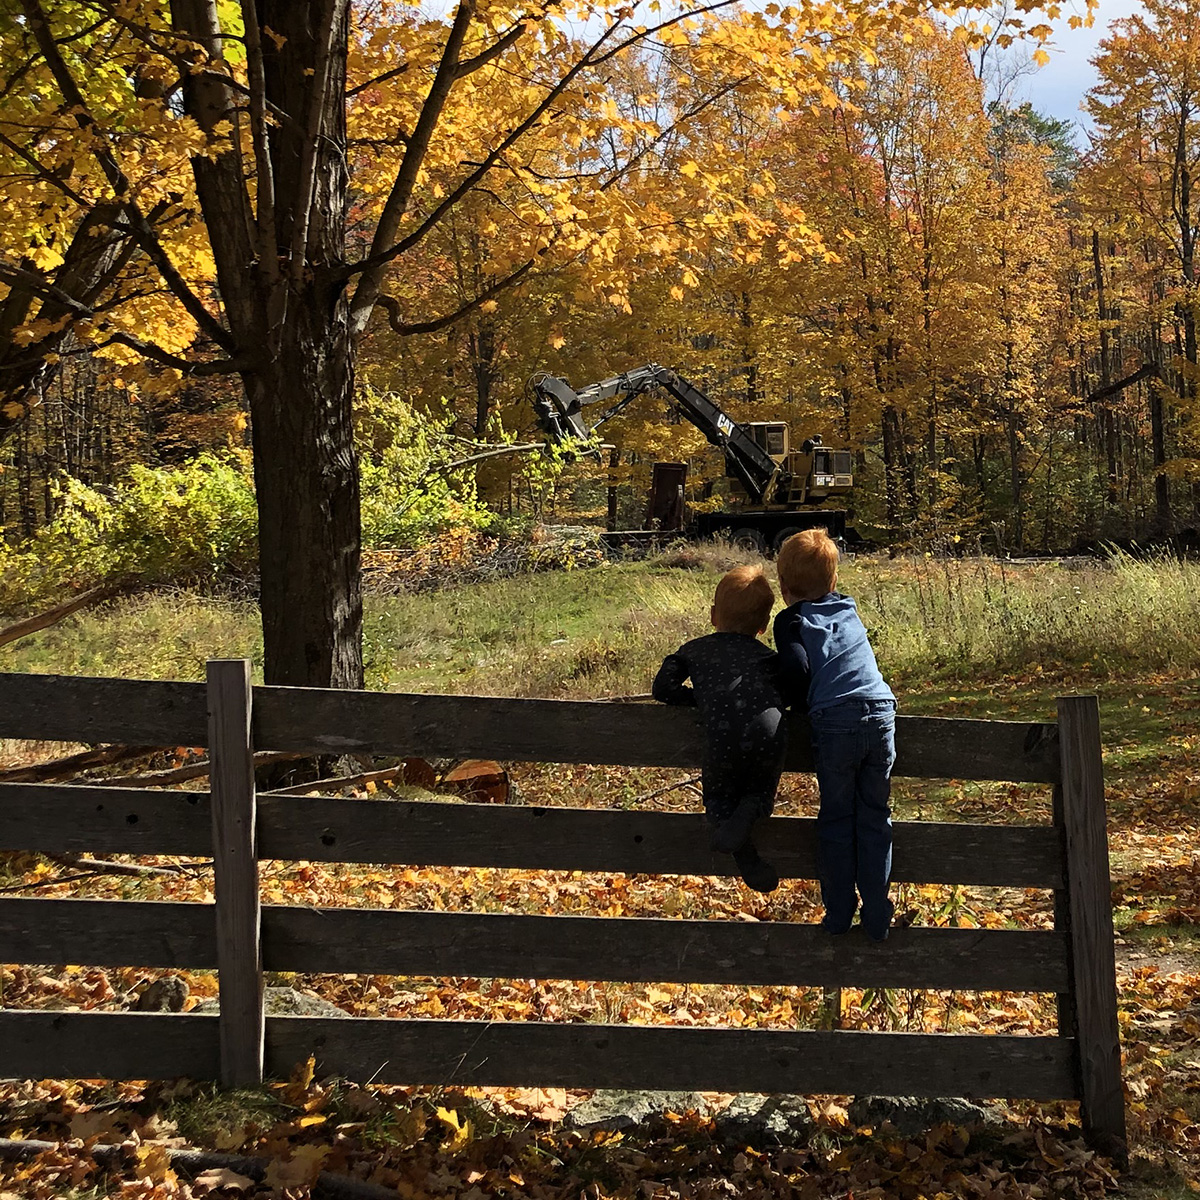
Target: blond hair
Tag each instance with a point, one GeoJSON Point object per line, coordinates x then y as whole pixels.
{"type": "Point", "coordinates": [807, 564]}
{"type": "Point", "coordinates": [743, 601]}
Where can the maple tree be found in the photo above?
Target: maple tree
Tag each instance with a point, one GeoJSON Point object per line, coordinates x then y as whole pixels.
{"type": "Point", "coordinates": [1140, 190]}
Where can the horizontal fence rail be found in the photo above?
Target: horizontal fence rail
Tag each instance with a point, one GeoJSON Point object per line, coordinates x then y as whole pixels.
{"type": "Point", "coordinates": [239, 829]}
{"type": "Point", "coordinates": [59, 819]}
{"type": "Point", "coordinates": [321, 721]}
{"type": "Point", "coordinates": [527, 1054]}
{"type": "Point", "coordinates": [517, 946]}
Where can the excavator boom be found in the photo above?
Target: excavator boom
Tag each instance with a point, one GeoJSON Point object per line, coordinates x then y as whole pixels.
{"type": "Point", "coordinates": [560, 413]}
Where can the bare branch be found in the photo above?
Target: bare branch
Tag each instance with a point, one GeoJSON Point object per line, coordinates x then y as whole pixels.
{"type": "Point", "coordinates": [392, 307]}
{"type": "Point", "coordinates": [197, 369]}
{"type": "Point", "coordinates": [406, 178]}
{"type": "Point", "coordinates": [470, 65]}
{"type": "Point", "coordinates": [370, 83]}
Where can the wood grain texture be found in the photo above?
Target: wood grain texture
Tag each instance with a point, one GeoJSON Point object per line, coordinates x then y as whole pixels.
{"type": "Point", "coordinates": [69, 708]}
{"type": "Point", "coordinates": [431, 833]}
{"type": "Point", "coordinates": [518, 1054]}
{"type": "Point", "coordinates": [104, 1045]}
{"type": "Point", "coordinates": [235, 870]}
{"type": "Point", "coordinates": [652, 950]}
{"type": "Point", "coordinates": [528, 1054]}
{"type": "Point", "coordinates": [315, 720]}
{"type": "Point", "coordinates": [1102, 1103]}
{"type": "Point", "coordinates": [582, 731]}
{"type": "Point", "coordinates": [386, 942]}
{"type": "Point", "coordinates": [108, 933]}
{"type": "Point", "coordinates": [67, 819]}
{"type": "Point", "coordinates": [1065, 1000]}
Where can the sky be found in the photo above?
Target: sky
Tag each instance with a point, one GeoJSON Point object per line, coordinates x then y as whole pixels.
{"type": "Point", "coordinates": [1057, 89]}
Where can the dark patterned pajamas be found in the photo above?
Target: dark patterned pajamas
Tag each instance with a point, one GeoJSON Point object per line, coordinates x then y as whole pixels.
{"type": "Point", "coordinates": [734, 686]}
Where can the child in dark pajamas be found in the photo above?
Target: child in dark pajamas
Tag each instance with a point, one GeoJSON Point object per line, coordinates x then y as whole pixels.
{"type": "Point", "coordinates": [734, 685]}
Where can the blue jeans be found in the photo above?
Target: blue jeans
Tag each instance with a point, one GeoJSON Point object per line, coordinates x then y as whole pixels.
{"type": "Point", "coordinates": [854, 744]}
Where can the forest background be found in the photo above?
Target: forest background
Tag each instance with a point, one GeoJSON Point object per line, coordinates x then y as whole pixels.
{"type": "Point", "coordinates": [863, 236]}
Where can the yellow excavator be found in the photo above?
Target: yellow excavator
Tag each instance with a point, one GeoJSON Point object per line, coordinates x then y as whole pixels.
{"type": "Point", "coordinates": [777, 491]}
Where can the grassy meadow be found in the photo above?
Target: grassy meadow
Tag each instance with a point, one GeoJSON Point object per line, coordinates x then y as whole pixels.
{"type": "Point", "coordinates": [935, 623]}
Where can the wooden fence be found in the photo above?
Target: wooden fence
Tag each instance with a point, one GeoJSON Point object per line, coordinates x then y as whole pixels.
{"type": "Point", "coordinates": [1074, 960]}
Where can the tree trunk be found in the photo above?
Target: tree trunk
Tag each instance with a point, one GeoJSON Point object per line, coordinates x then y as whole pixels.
{"type": "Point", "coordinates": [614, 461]}
{"type": "Point", "coordinates": [306, 477]}
{"type": "Point", "coordinates": [291, 324]}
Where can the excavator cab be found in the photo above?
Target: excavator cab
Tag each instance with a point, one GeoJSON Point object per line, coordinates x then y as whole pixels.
{"type": "Point", "coordinates": [772, 437]}
{"type": "Point", "coordinates": [825, 471]}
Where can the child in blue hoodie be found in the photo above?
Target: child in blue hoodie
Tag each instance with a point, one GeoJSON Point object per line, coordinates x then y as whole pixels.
{"type": "Point", "coordinates": [827, 665]}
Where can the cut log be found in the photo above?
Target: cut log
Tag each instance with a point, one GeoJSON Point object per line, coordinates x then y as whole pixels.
{"type": "Point", "coordinates": [72, 764]}
{"type": "Point", "coordinates": [481, 779]}
{"type": "Point", "coordinates": [53, 615]}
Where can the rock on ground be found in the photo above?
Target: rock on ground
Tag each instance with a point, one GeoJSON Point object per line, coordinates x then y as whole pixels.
{"type": "Point", "coordinates": [911, 1116]}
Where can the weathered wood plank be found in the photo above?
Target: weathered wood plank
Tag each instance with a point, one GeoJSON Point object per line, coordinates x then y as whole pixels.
{"type": "Point", "coordinates": [581, 731]}
{"type": "Point", "coordinates": [66, 819]}
{"type": "Point", "coordinates": [652, 950]}
{"type": "Point", "coordinates": [314, 720]}
{"type": "Point", "coordinates": [430, 833]}
{"type": "Point", "coordinates": [1065, 1000]}
{"type": "Point", "coordinates": [1102, 1103]}
{"type": "Point", "coordinates": [519, 1054]}
{"type": "Point", "coordinates": [108, 933]}
{"type": "Point", "coordinates": [235, 871]}
{"type": "Point", "coordinates": [465, 1053]}
{"type": "Point", "coordinates": [104, 1045]}
{"type": "Point", "coordinates": [69, 708]}
{"type": "Point", "coordinates": [385, 942]}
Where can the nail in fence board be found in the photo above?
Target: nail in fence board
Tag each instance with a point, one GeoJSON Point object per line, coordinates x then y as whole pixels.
{"type": "Point", "coordinates": [504, 946]}
{"type": "Point", "coordinates": [235, 870]}
{"type": "Point", "coordinates": [328, 721]}
{"type": "Point", "coordinates": [1102, 1106]}
{"type": "Point", "coordinates": [58, 818]}
{"type": "Point", "coordinates": [516, 1054]}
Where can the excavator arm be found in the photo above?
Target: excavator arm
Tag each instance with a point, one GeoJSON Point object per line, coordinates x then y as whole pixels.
{"type": "Point", "coordinates": [559, 408]}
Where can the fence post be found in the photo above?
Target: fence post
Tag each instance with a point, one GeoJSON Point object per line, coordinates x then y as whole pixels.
{"type": "Point", "coordinates": [235, 871]}
{"type": "Point", "coordinates": [1093, 959]}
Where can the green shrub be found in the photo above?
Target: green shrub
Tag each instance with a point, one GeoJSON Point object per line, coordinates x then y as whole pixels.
{"type": "Point", "coordinates": [188, 524]}
{"type": "Point", "coordinates": [408, 493]}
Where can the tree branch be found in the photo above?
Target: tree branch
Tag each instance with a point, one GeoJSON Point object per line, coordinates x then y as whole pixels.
{"type": "Point", "coordinates": [469, 65]}
{"type": "Point", "coordinates": [392, 306]}
{"type": "Point", "coordinates": [140, 227]}
{"type": "Point", "coordinates": [268, 244]}
{"type": "Point", "coordinates": [370, 83]}
{"type": "Point", "coordinates": [372, 266]}
{"type": "Point", "coordinates": [43, 287]}
{"type": "Point", "coordinates": [365, 294]}
{"type": "Point", "coordinates": [205, 367]}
